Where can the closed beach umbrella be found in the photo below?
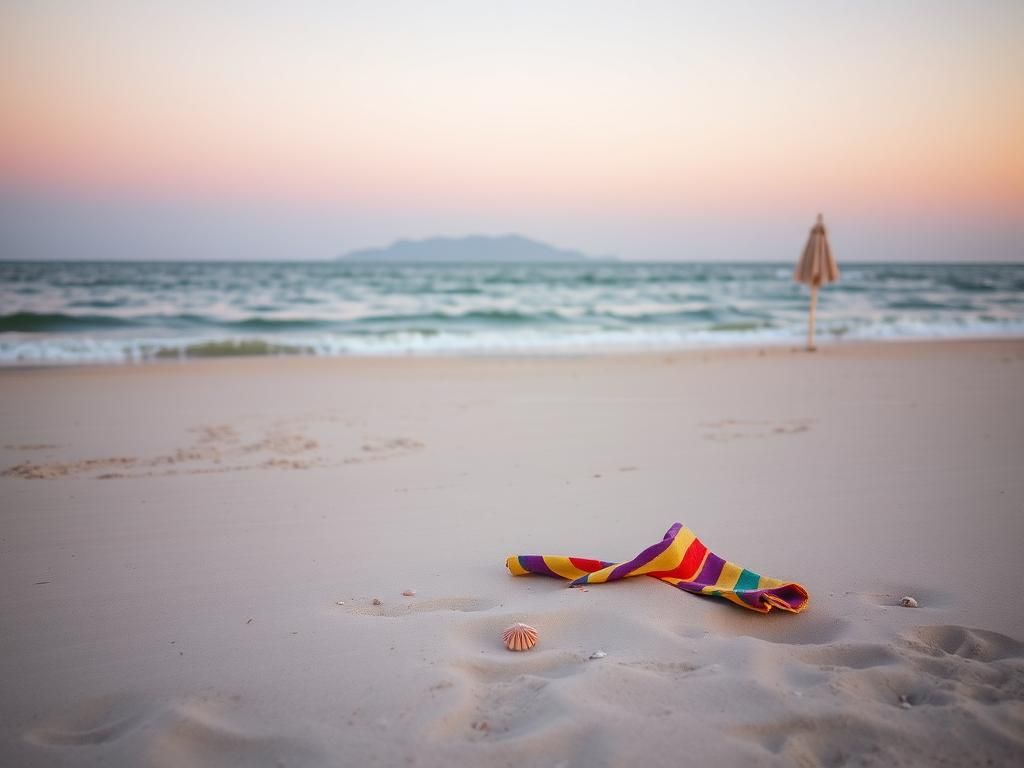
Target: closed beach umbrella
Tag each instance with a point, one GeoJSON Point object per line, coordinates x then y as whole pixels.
{"type": "Point", "coordinates": [816, 268]}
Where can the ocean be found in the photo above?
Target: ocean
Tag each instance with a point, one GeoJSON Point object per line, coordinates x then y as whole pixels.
{"type": "Point", "coordinates": [135, 312]}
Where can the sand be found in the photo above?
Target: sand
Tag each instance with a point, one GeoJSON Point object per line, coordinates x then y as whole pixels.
{"type": "Point", "coordinates": [190, 555]}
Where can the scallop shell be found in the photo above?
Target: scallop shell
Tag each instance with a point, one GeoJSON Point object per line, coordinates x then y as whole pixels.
{"type": "Point", "coordinates": [520, 637]}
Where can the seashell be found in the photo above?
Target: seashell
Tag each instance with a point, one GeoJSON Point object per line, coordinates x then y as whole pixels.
{"type": "Point", "coordinates": [598, 655]}
{"type": "Point", "coordinates": [409, 592]}
{"type": "Point", "coordinates": [908, 602]}
{"type": "Point", "coordinates": [520, 637]}
{"type": "Point", "coordinates": [377, 601]}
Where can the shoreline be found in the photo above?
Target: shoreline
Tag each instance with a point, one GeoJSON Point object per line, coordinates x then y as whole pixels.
{"type": "Point", "coordinates": [123, 313]}
{"type": "Point", "coordinates": [724, 351]}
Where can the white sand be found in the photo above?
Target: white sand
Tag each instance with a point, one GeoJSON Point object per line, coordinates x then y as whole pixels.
{"type": "Point", "coordinates": [174, 540]}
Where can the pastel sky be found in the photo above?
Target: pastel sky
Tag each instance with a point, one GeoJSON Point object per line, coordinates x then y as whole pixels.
{"type": "Point", "coordinates": [644, 129]}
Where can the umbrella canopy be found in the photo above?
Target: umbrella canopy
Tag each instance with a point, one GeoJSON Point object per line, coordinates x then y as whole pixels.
{"type": "Point", "coordinates": [817, 267]}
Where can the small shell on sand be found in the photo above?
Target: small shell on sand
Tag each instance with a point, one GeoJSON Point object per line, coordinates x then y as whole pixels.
{"type": "Point", "coordinates": [598, 655]}
{"type": "Point", "coordinates": [908, 602]}
{"type": "Point", "coordinates": [340, 602]}
{"type": "Point", "coordinates": [520, 637]}
{"type": "Point", "coordinates": [377, 601]}
{"type": "Point", "coordinates": [409, 593]}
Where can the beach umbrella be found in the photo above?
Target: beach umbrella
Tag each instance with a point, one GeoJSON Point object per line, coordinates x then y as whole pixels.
{"type": "Point", "coordinates": [816, 268]}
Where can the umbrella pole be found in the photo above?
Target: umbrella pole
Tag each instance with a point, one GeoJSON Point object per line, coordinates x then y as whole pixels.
{"type": "Point", "coordinates": [810, 318]}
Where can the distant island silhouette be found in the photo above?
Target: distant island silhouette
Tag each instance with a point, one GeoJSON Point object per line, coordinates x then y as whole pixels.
{"type": "Point", "coordinates": [483, 248]}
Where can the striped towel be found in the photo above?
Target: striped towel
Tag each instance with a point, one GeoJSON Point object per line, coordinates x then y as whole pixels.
{"type": "Point", "coordinates": [680, 559]}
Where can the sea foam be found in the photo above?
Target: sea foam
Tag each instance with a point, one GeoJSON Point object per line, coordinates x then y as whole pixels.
{"type": "Point", "coordinates": [67, 313]}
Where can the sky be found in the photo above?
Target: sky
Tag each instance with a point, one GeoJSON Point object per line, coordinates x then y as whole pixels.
{"type": "Point", "coordinates": [646, 130]}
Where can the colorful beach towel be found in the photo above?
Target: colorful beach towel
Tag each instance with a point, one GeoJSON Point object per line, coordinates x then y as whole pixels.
{"type": "Point", "coordinates": [680, 559]}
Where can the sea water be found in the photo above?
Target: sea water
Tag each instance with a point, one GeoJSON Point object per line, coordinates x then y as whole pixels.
{"type": "Point", "coordinates": [116, 312]}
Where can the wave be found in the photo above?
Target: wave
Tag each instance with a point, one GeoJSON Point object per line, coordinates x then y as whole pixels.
{"type": "Point", "coordinates": [227, 348]}
{"type": "Point", "coordinates": [482, 316]}
{"type": "Point", "coordinates": [137, 312]}
{"type": "Point", "coordinates": [57, 322]}
{"type": "Point", "coordinates": [528, 341]}
{"type": "Point", "coordinates": [268, 323]}
{"type": "Point", "coordinates": [924, 303]}
{"type": "Point", "coordinates": [42, 322]}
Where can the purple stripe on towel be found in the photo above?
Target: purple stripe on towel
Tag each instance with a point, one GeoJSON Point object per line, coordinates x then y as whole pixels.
{"type": "Point", "coordinates": [711, 571]}
{"type": "Point", "coordinates": [642, 559]}
{"type": "Point", "coordinates": [751, 596]}
{"type": "Point", "coordinates": [536, 564]}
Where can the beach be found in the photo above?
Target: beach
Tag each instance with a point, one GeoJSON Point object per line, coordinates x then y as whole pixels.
{"type": "Point", "coordinates": [203, 562]}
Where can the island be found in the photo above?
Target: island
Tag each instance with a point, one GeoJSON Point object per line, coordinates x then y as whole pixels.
{"type": "Point", "coordinates": [474, 248]}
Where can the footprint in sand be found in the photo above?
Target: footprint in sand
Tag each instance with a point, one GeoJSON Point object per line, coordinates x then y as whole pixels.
{"type": "Point", "coordinates": [510, 698]}
{"type": "Point", "coordinates": [215, 434]}
{"type": "Point", "coordinates": [200, 730]}
{"type": "Point", "coordinates": [850, 655]}
{"type": "Point", "coordinates": [386, 448]}
{"type": "Point", "coordinates": [204, 731]}
{"type": "Point", "coordinates": [936, 666]}
{"type": "Point", "coordinates": [30, 470]}
{"type": "Point", "coordinates": [95, 722]}
{"type": "Point", "coordinates": [221, 448]}
{"type": "Point", "coordinates": [936, 694]}
{"type": "Point", "coordinates": [727, 430]}
{"type": "Point", "coordinates": [975, 644]}
{"type": "Point", "coordinates": [812, 628]}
